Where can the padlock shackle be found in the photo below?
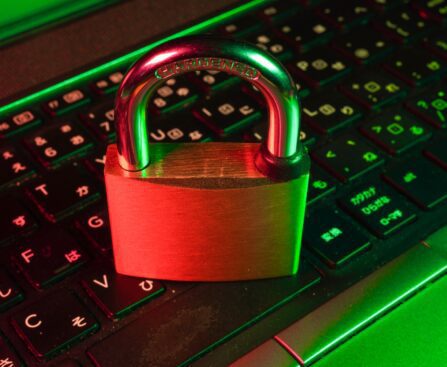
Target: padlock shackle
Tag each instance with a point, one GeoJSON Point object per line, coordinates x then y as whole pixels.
{"type": "Point", "coordinates": [208, 53]}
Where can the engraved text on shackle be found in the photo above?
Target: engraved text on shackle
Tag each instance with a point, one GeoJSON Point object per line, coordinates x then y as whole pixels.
{"type": "Point", "coordinates": [207, 63]}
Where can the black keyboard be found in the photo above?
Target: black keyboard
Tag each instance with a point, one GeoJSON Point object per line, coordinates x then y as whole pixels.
{"type": "Point", "coordinates": [372, 81]}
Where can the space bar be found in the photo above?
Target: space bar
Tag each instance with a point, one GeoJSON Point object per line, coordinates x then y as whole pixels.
{"type": "Point", "coordinates": [185, 327]}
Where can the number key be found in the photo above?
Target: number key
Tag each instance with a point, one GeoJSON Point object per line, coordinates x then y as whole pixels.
{"type": "Point", "coordinates": [14, 166]}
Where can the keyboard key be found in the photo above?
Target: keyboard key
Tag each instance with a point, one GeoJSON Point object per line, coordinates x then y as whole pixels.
{"type": "Point", "coordinates": [429, 9]}
{"type": "Point", "coordinates": [18, 123]}
{"type": "Point", "coordinates": [8, 358]}
{"type": "Point", "coordinates": [329, 111]}
{"type": "Point", "coordinates": [267, 41]}
{"type": "Point", "coordinates": [431, 106]}
{"type": "Point", "coordinates": [378, 208]}
{"type": "Point", "coordinates": [415, 67]}
{"type": "Point", "coordinates": [95, 162]}
{"type": "Point", "coordinates": [54, 323]}
{"type": "Point", "coordinates": [117, 294]}
{"type": "Point", "coordinates": [420, 180]}
{"type": "Point", "coordinates": [10, 294]}
{"type": "Point", "coordinates": [55, 144]}
{"type": "Point", "coordinates": [259, 134]}
{"type": "Point", "coordinates": [175, 93]}
{"type": "Point", "coordinates": [48, 257]}
{"type": "Point", "coordinates": [95, 226]}
{"type": "Point", "coordinates": [438, 44]}
{"type": "Point", "coordinates": [320, 184]}
{"type": "Point", "coordinates": [437, 152]}
{"type": "Point", "coordinates": [208, 314]}
{"type": "Point", "coordinates": [348, 157]}
{"type": "Point", "coordinates": [14, 166]}
{"type": "Point", "coordinates": [241, 26]}
{"type": "Point", "coordinates": [15, 219]}
{"type": "Point", "coordinates": [108, 84]}
{"type": "Point", "coordinates": [374, 90]}
{"type": "Point", "coordinates": [332, 238]}
{"type": "Point", "coordinates": [319, 67]}
{"type": "Point", "coordinates": [227, 112]}
{"type": "Point", "coordinates": [363, 46]}
{"type": "Point", "coordinates": [403, 25]}
{"type": "Point", "coordinates": [395, 131]}
{"type": "Point", "coordinates": [212, 80]}
{"type": "Point", "coordinates": [305, 31]}
{"type": "Point", "coordinates": [57, 197]}
{"type": "Point", "coordinates": [183, 127]}
{"type": "Point", "coordinates": [101, 120]}
{"type": "Point", "coordinates": [65, 103]}
{"type": "Point", "coordinates": [346, 14]}
{"type": "Point", "coordinates": [278, 10]}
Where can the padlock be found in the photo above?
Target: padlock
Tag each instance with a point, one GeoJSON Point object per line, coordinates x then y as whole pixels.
{"type": "Point", "coordinates": [207, 211]}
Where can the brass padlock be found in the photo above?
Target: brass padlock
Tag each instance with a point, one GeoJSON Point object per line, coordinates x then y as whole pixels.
{"type": "Point", "coordinates": [207, 211]}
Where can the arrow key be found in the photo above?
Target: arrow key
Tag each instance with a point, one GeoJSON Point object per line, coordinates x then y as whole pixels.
{"type": "Point", "coordinates": [117, 294]}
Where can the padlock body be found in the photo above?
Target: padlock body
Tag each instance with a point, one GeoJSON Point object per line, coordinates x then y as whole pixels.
{"type": "Point", "coordinates": [203, 212]}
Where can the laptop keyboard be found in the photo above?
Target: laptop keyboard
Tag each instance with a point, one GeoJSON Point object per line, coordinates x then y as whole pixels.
{"type": "Point", "coordinates": [372, 81]}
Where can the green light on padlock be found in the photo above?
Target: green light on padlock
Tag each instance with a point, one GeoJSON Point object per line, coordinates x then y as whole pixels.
{"type": "Point", "coordinates": [209, 211]}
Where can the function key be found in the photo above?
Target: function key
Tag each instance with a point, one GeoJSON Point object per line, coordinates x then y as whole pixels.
{"type": "Point", "coordinates": [54, 323]}
{"type": "Point", "coordinates": [346, 14]}
{"type": "Point", "coordinates": [403, 25]}
{"type": "Point", "coordinates": [227, 112]}
{"type": "Point", "coordinates": [108, 84]}
{"type": "Point", "coordinates": [67, 102]}
{"type": "Point", "coordinates": [438, 152]}
{"type": "Point", "coordinates": [10, 294]}
{"type": "Point", "coordinates": [183, 127]}
{"type": "Point", "coordinates": [118, 295]}
{"type": "Point", "coordinates": [374, 90]}
{"type": "Point", "coordinates": [415, 67]}
{"type": "Point", "coordinates": [363, 46]}
{"type": "Point", "coordinates": [175, 93]}
{"type": "Point", "coordinates": [8, 357]}
{"type": "Point", "coordinates": [95, 226]}
{"type": "Point", "coordinates": [14, 166]}
{"type": "Point", "coordinates": [320, 184]}
{"type": "Point", "coordinates": [101, 121]}
{"type": "Point", "coordinates": [18, 123]}
{"type": "Point", "coordinates": [329, 111]}
{"type": "Point", "coordinates": [348, 157]}
{"type": "Point", "coordinates": [320, 67]}
{"type": "Point", "coordinates": [432, 9]}
{"type": "Point", "coordinates": [334, 239]}
{"type": "Point", "coordinates": [15, 219]}
{"type": "Point", "coordinates": [48, 257]}
{"type": "Point", "coordinates": [62, 192]}
{"type": "Point", "coordinates": [420, 180]}
{"type": "Point", "coordinates": [395, 131]}
{"type": "Point", "coordinates": [305, 31]}
{"type": "Point", "coordinates": [431, 106]}
{"type": "Point", "coordinates": [58, 143]}
{"type": "Point", "coordinates": [378, 208]}
{"type": "Point", "coordinates": [269, 42]}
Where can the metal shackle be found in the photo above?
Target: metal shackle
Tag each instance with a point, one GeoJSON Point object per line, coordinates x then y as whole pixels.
{"type": "Point", "coordinates": [282, 148]}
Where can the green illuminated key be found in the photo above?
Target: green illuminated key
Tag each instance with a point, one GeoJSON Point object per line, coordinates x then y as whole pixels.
{"type": "Point", "coordinates": [432, 107]}
{"type": "Point", "coordinates": [374, 90]}
{"type": "Point", "coordinates": [395, 131]}
{"type": "Point", "coordinates": [334, 239]}
{"type": "Point", "coordinates": [320, 184]}
{"type": "Point", "coordinates": [378, 207]}
{"type": "Point", "coordinates": [415, 67]}
{"type": "Point", "coordinates": [419, 179]}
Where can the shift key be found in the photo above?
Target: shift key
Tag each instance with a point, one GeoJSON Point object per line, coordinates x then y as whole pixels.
{"type": "Point", "coordinates": [183, 329]}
